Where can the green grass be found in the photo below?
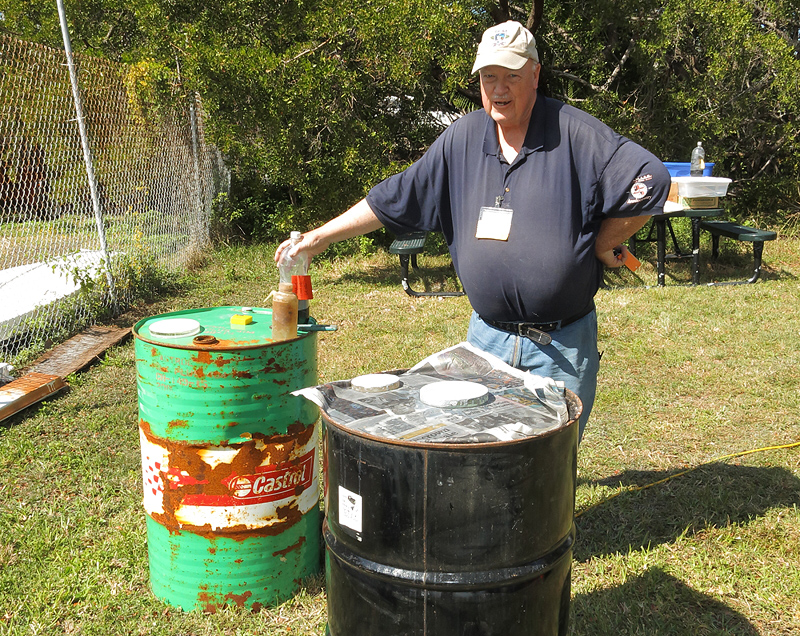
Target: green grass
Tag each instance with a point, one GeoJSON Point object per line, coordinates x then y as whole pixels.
{"type": "Point", "coordinates": [689, 376]}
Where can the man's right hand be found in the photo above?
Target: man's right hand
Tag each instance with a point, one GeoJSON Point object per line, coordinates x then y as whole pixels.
{"type": "Point", "coordinates": [307, 244]}
{"type": "Point", "coordinates": [358, 220]}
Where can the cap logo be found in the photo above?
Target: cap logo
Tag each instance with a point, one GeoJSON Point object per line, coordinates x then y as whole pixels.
{"type": "Point", "coordinates": [509, 44]}
{"type": "Point", "coordinates": [499, 39]}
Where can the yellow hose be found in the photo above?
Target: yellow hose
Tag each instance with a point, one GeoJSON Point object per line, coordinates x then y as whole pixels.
{"type": "Point", "coordinates": [684, 472]}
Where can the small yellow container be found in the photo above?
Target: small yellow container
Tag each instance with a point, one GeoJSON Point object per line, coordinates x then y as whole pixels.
{"type": "Point", "coordinates": [241, 319]}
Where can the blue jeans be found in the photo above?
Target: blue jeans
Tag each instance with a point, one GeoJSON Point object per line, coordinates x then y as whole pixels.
{"type": "Point", "coordinates": [571, 358]}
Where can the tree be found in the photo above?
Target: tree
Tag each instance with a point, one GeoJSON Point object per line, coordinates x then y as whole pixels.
{"type": "Point", "coordinates": [107, 28]}
{"type": "Point", "coordinates": [313, 101]}
{"type": "Point", "coordinates": [671, 74]}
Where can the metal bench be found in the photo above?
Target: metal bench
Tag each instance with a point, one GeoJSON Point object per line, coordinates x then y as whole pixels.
{"type": "Point", "coordinates": [407, 247]}
{"type": "Point", "coordinates": [739, 233]}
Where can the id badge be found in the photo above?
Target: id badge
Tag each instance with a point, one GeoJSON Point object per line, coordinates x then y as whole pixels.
{"type": "Point", "coordinates": [494, 223]}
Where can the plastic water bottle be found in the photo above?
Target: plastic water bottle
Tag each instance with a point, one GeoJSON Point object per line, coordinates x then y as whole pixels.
{"type": "Point", "coordinates": [294, 270]}
{"type": "Point", "coordinates": [698, 161]}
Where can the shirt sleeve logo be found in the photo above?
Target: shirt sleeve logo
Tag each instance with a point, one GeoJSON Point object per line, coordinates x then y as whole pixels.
{"type": "Point", "coordinates": [638, 191]}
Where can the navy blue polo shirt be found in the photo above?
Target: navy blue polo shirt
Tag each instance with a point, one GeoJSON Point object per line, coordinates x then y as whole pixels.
{"type": "Point", "coordinates": [572, 173]}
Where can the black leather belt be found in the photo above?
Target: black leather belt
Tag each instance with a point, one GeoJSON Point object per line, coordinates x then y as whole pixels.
{"type": "Point", "coordinates": [538, 331]}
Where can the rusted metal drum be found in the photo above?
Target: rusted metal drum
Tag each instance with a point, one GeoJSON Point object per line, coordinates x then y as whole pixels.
{"type": "Point", "coordinates": [438, 539]}
{"type": "Point", "coordinates": [229, 458]}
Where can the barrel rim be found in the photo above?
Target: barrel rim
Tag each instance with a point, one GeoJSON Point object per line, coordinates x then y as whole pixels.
{"type": "Point", "coordinates": [207, 347]}
{"type": "Point", "coordinates": [573, 402]}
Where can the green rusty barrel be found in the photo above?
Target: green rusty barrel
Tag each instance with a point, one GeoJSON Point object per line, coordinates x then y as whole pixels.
{"type": "Point", "coordinates": [229, 458]}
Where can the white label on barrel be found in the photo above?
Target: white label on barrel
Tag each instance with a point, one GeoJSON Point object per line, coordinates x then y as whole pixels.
{"type": "Point", "coordinates": [349, 509]}
{"type": "Point", "coordinates": [154, 460]}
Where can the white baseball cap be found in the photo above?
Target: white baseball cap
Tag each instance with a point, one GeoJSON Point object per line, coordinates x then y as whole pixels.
{"type": "Point", "coordinates": [509, 45]}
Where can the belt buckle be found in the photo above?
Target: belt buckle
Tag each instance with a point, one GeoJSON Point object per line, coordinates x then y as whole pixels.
{"type": "Point", "coordinates": [536, 335]}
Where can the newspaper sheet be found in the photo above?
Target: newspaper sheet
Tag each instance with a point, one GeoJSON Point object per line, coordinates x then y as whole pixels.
{"type": "Point", "coordinates": [520, 404]}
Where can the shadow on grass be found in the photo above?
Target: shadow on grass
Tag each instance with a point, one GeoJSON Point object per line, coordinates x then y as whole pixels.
{"type": "Point", "coordinates": [425, 278]}
{"type": "Point", "coordinates": [657, 604]}
{"type": "Point", "coordinates": [740, 268]}
{"type": "Point", "coordinates": [714, 495]}
{"type": "Point", "coordinates": [730, 267]}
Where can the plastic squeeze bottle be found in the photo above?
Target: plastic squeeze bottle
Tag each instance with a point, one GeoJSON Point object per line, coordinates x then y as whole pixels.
{"type": "Point", "coordinates": [284, 313]}
{"type": "Point", "coordinates": [294, 270]}
{"type": "Point", "coordinates": [698, 164]}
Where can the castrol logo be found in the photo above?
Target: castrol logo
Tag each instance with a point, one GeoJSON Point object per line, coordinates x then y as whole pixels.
{"type": "Point", "coordinates": [241, 487]}
{"type": "Point", "coordinates": [273, 483]}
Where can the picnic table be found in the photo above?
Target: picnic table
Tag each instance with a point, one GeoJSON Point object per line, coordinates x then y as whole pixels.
{"type": "Point", "coordinates": [661, 224]}
{"type": "Point", "coordinates": [407, 247]}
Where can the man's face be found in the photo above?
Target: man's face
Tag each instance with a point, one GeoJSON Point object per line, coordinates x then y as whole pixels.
{"type": "Point", "coordinates": [508, 95]}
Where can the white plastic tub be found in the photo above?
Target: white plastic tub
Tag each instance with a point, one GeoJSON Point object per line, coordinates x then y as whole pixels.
{"type": "Point", "coordinates": [691, 187]}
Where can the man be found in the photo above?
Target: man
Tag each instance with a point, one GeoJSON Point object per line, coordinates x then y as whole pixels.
{"type": "Point", "coordinates": [533, 197]}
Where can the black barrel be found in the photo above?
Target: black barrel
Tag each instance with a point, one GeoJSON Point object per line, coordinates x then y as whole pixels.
{"type": "Point", "coordinates": [427, 539]}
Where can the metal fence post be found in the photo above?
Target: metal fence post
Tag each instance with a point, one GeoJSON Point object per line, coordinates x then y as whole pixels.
{"type": "Point", "coordinates": [87, 153]}
{"type": "Point", "coordinates": [151, 190]}
{"type": "Point", "coordinates": [198, 189]}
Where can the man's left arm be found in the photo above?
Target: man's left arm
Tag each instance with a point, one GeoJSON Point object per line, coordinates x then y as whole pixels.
{"type": "Point", "coordinates": [646, 182]}
{"type": "Point", "coordinates": [613, 231]}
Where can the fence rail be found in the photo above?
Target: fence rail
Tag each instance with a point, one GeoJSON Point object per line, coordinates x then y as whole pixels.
{"type": "Point", "coordinates": [156, 179]}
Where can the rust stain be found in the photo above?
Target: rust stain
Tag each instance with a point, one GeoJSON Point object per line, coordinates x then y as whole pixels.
{"type": "Point", "coordinates": [189, 474]}
{"type": "Point", "coordinates": [238, 599]}
{"type": "Point", "coordinates": [146, 429]}
{"type": "Point", "coordinates": [236, 375]}
{"type": "Point", "coordinates": [210, 604]}
{"type": "Point", "coordinates": [206, 358]}
{"type": "Point", "coordinates": [177, 424]}
{"type": "Point", "coordinates": [291, 548]}
{"type": "Point", "coordinates": [207, 601]}
{"type": "Point", "coordinates": [238, 343]}
{"type": "Point", "coordinates": [220, 362]}
{"type": "Point", "coordinates": [272, 366]}
{"type": "Point", "coordinates": [227, 343]}
{"type": "Point", "coordinates": [202, 357]}
{"type": "Point", "coordinates": [300, 430]}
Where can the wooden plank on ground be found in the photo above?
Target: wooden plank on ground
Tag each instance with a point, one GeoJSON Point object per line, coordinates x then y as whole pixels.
{"type": "Point", "coordinates": [79, 351]}
{"type": "Point", "coordinates": [29, 389]}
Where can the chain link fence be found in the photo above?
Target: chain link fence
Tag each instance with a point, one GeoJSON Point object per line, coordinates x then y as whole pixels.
{"type": "Point", "coordinates": [65, 260]}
